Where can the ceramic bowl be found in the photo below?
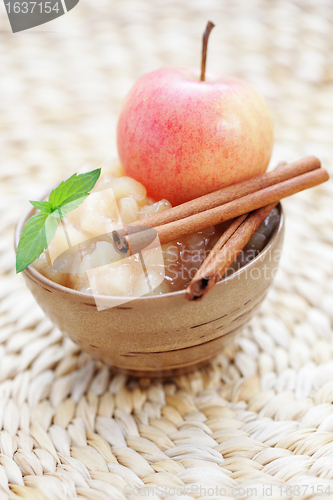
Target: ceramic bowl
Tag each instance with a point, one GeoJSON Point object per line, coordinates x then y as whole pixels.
{"type": "Point", "coordinates": [165, 334]}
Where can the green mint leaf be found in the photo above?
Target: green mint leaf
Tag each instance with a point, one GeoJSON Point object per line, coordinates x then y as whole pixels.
{"type": "Point", "coordinates": [37, 233]}
{"type": "Point", "coordinates": [40, 229]}
{"type": "Point", "coordinates": [72, 205]}
{"type": "Point", "coordinates": [51, 225]}
{"type": "Point", "coordinates": [63, 210]}
{"type": "Point", "coordinates": [74, 188]}
{"type": "Point", "coordinates": [44, 206]}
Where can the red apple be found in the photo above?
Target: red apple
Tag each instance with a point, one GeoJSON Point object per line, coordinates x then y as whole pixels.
{"type": "Point", "coordinates": [183, 138]}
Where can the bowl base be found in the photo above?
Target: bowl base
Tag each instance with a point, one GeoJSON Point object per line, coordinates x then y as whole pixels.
{"type": "Point", "coordinates": [179, 370]}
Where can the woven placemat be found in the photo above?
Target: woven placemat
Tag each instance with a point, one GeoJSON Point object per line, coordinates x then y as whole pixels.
{"type": "Point", "coordinates": [257, 422]}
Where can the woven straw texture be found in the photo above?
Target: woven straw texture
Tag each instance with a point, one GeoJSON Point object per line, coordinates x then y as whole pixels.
{"type": "Point", "coordinates": [260, 416]}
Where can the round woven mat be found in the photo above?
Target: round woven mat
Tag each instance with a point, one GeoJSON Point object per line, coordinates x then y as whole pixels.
{"type": "Point", "coordinates": [259, 418]}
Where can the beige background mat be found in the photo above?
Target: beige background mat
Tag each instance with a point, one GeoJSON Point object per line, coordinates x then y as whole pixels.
{"type": "Point", "coordinates": [260, 416]}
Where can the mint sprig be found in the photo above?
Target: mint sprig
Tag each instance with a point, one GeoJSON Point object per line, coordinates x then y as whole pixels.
{"type": "Point", "coordinates": [40, 229]}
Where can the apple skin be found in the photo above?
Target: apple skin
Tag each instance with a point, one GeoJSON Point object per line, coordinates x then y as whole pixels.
{"type": "Point", "coordinates": [183, 138]}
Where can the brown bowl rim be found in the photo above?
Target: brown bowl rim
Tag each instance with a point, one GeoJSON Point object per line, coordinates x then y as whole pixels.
{"type": "Point", "coordinates": [50, 283]}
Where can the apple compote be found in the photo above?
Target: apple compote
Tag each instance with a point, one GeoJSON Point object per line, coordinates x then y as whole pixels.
{"type": "Point", "coordinates": [81, 255]}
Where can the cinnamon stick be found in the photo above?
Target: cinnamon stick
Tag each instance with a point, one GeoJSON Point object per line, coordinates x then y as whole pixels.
{"type": "Point", "coordinates": [183, 227]}
{"type": "Point", "coordinates": [225, 251]}
{"type": "Point", "coordinates": [282, 173]}
{"type": "Point", "coordinates": [217, 262]}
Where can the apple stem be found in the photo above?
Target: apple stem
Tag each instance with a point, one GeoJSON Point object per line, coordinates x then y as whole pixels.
{"type": "Point", "coordinates": [205, 37]}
